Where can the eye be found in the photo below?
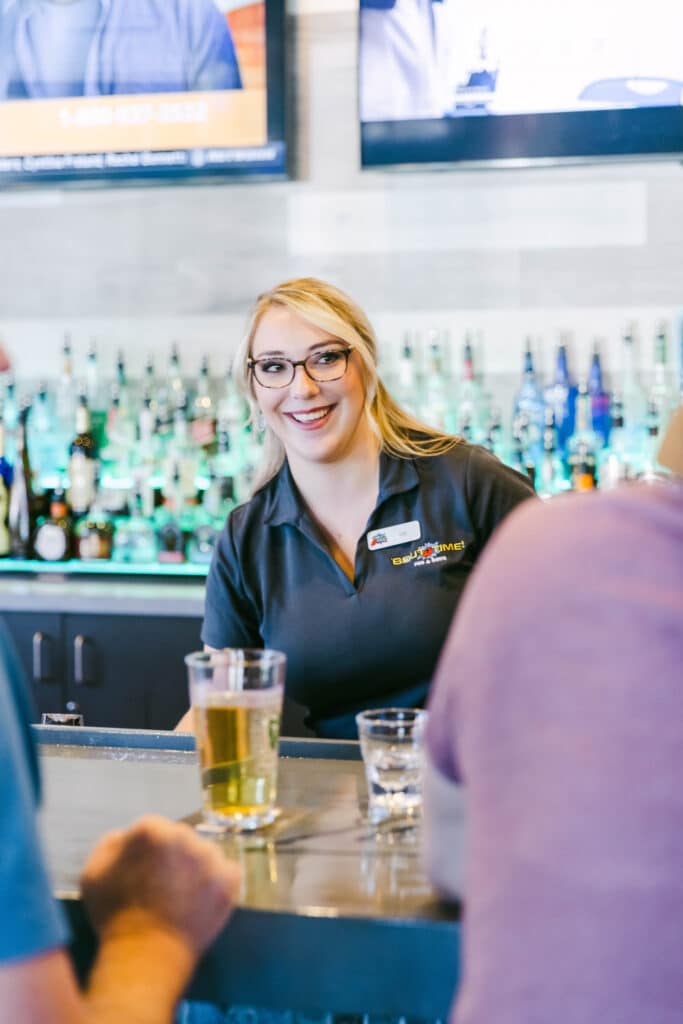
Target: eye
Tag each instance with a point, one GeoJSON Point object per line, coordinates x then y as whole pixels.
{"type": "Point", "coordinates": [272, 366]}
{"type": "Point", "coordinates": [330, 357]}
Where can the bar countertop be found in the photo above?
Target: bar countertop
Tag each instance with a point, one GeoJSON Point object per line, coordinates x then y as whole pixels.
{"type": "Point", "coordinates": [334, 914]}
{"type": "Point", "coordinates": [105, 596]}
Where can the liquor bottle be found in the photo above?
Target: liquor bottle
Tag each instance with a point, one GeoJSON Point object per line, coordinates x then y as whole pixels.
{"type": "Point", "coordinates": [530, 402]}
{"type": "Point", "coordinates": [170, 534]}
{"type": "Point", "coordinates": [408, 388]}
{"type": "Point", "coordinates": [175, 378]}
{"type": "Point", "coordinates": [233, 414]}
{"type": "Point", "coordinates": [95, 394]}
{"type": "Point", "coordinates": [583, 445]}
{"type": "Point", "coordinates": [182, 457]}
{"type": "Point", "coordinates": [66, 393]}
{"type": "Point", "coordinates": [10, 416]}
{"type": "Point", "coordinates": [551, 478]}
{"type": "Point", "coordinates": [123, 387]}
{"type": "Point", "coordinates": [209, 520]}
{"type": "Point", "coordinates": [52, 539]}
{"type": "Point", "coordinates": [437, 408]}
{"type": "Point", "coordinates": [632, 394]}
{"type": "Point", "coordinates": [649, 469]}
{"type": "Point", "coordinates": [20, 515]}
{"type": "Point", "coordinates": [115, 458]}
{"type": "Point", "coordinates": [145, 460]}
{"type": "Point", "coordinates": [494, 438]}
{"type": "Point", "coordinates": [469, 406]}
{"type": "Point", "coordinates": [561, 397]}
{"type": "Point", "coordinates": [614, 466]}
{"type": "Point", "coordinates": [662, 399]}
{"type": "Point", "coordinates": [48, 456]}
{"type": "Point", "coordinates": [82, 462]}
{"type": "Point", "coordinates": [148, 379]}
{"type": "Point", "coordinates": [5, 486]}
{"type": "Point", "coordinates": [600, 400]}
{"type": "Point", "coordinates": [203, 429]}
{"type": "Point", "coordinates": [135, 540]}
{"type": "Point", "coordinates": [94, 535]}
{"type": "Point", "coordinates": [520, 457]}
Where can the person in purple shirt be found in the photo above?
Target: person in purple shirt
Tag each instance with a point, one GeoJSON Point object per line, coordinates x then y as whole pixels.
{"type": "Point", "coordinates": [554, 793]}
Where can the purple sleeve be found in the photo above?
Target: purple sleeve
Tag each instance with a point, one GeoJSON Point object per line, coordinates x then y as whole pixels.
{"type": "Point", "coordinates": [441, 738]}
{"type": "Point", "coordinates": [471, 662]}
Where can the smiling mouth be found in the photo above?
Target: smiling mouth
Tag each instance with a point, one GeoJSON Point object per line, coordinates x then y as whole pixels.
{"type": "Point", "coordinates": [311, 417]}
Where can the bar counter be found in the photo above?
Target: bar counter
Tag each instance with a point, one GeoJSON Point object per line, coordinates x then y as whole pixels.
{"type": "Point", "coordinates": [334, 915]}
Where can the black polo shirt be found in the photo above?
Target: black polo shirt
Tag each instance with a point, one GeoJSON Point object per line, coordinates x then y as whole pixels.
{"type": "Point", "coordinates": [373, 642]}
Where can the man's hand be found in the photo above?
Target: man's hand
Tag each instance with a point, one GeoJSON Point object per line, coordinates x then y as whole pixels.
{"type": "Point", "coordinates": [159, 876]}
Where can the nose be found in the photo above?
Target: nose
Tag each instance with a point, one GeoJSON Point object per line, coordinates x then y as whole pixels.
{"type": "Point", "coordinates": [303, 386]}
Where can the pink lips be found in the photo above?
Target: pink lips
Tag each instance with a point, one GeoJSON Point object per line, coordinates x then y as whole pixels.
{"type": "Point", "coordinates": [311, 424]}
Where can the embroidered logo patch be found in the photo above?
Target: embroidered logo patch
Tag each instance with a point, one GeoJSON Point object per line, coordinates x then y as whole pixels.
{"type": "Point", "coordinates": [428, 554]}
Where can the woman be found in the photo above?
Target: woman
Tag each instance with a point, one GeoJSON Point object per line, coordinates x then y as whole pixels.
{"type": "Point", "coordinates": [364, 524]}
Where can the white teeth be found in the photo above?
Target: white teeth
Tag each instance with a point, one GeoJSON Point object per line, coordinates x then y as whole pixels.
{"type": "Point", "coordinates": [307, 417]}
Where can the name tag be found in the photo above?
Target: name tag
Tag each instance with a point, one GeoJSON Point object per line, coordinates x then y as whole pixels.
{"type": "Point", "coordinates": [401, 533]}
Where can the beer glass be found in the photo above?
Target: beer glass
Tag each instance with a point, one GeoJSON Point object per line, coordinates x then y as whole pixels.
{"type": "Point", "coordinates": [236, 699]}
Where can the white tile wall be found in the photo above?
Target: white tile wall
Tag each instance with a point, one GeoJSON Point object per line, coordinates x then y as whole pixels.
{"type": "Point", "coordinates": [508, 253]}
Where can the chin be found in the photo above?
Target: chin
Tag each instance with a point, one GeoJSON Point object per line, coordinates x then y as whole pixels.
{"type": "Point", "coordinates": [322, 450]}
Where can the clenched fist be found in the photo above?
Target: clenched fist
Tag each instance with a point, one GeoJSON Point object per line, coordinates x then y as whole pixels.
{"type": "Point", "coordinates": [159, 876]}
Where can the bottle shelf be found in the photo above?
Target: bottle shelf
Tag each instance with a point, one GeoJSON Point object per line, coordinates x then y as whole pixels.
{"type": "Point", "coordinates": [81, 567]}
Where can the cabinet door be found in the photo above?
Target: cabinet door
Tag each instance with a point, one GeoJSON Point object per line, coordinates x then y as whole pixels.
{"type": "Point", "coordinates": [128, 671]}
{"type": "Point", "coordinates": [38, 639]}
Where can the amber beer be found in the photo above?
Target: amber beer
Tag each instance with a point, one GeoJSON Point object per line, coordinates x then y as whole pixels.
{"type": "Point", "coordinates": [236, 698]}
{"type": "Point", "coordinates": [237, 738]}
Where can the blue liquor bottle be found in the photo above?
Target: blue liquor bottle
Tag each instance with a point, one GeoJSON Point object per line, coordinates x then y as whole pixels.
{"type": "Point", "coordinates": [561, 397]}
{"type": "Point", "coordinates": [600, 399]}
{"type": "Point", "coordinates": [529, 407]}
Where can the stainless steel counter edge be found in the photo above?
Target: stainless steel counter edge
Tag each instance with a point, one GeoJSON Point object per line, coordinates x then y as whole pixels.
{"type": "Point", "coordinates": [102, 597]}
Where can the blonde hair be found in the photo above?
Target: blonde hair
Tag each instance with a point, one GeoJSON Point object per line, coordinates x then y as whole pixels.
{"type": "Point", "coordinates": [328, 308]}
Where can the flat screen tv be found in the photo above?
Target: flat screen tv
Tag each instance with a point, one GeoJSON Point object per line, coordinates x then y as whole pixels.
{"type": "Point", "coordinates": [519, 80]}
{"type": "Point", "coordinates": [121, 89]}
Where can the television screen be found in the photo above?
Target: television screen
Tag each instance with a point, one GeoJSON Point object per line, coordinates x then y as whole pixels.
{"type": "Point", "coordinates": [135, 88]}
{"type": "Point", "coordinates": [448, 80]}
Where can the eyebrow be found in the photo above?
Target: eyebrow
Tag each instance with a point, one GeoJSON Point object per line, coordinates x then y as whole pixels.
{"type": "Point", "coordinates": [312, 348]}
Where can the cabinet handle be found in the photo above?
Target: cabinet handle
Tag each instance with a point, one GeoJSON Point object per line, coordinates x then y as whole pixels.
{"type": "Point", "coordinates": [81, 676]}
{"type": "Point", "coordinates": [42, 669]}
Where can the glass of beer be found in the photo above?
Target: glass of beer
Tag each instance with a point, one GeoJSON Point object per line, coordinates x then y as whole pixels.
{"type": "Point", "coordinates": [236, 698]}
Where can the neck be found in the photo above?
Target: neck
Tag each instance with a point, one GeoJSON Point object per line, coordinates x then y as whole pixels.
{"type": "Point", "coordinates": [352, 480]}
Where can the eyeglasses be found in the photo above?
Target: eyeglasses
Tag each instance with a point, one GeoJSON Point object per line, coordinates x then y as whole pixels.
{"type": "Point", "coordinates": [325, 365]}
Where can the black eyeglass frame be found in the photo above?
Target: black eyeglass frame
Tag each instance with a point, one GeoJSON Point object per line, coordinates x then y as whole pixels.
{"type": "Point", "coordinates": [253, 363]}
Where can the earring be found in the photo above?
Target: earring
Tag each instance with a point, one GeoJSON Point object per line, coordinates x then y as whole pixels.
{"type": "Point", "coordinates": [260, 423]}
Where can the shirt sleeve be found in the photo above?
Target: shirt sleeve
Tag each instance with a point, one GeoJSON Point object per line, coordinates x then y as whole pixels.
{"type": "Point", "coordinates": [492, 490]}
{"type": "Point", "coordinates": [30, 920]}
{"type": "Point", "coordinates": [440, 733]}
{"type": "Point", "coordinates": [213, 61]}
{"type": "Point", "coordinates": [230, 619]}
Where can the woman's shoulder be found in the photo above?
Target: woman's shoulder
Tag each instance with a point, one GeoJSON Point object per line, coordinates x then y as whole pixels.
{"type": "Point", "coordinates": [472, 466]}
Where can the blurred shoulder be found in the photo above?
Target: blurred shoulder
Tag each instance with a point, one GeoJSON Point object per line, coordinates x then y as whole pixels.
{"type": "Point", "coordinates": [595, 526]}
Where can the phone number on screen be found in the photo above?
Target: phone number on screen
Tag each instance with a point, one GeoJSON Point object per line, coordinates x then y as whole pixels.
{"type": "Point", "coordinates": [103, 114]}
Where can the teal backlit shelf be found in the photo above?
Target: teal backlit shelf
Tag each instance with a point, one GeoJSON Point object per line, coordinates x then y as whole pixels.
{"type": "Point", "coordinates": [79, 567]}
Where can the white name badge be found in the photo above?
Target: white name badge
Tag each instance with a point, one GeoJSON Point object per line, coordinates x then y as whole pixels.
{"type": "Point", "coordinates": [402, 533]}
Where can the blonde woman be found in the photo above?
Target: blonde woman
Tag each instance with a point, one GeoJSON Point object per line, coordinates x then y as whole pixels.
{"type": "Point", "coordinates": [364, 525]}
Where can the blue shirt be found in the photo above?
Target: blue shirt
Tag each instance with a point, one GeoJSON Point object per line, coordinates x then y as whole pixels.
{"type": "Point", "coordinates": [137, 46]}
{"type": "Point", "coordinates": [60, 36]}
{"type": "Point", "coordinates": [373, 641]}
{"type": "Point", "coordinates": [30, 921]}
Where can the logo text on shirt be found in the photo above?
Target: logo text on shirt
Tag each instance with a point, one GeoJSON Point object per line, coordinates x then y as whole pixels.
{"type": "Point", "coordinates": [427, 554]}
